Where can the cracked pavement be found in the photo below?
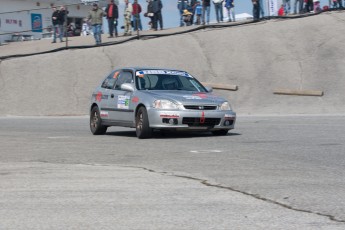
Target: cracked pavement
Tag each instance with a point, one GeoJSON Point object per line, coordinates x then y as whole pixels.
{"type": "Point", "coordinates": [271, 172]}
{"type": "Point", "coordinates": [70, 196]}
{"type": "Point", "coordinates": [55, 174]}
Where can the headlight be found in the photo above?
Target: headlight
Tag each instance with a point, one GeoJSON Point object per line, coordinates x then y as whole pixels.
{"type": "Point", "coordinates": [165, 104]}
{"type": "Point", "coordinates": [225, 106]}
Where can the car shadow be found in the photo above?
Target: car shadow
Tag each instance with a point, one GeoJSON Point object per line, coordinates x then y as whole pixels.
{"type": "Point", "coordinates": [171, 134]}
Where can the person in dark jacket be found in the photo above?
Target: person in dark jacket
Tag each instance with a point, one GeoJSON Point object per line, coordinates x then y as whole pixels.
{"type": "Point", "coordinates": [55, 22]}
{"type": "Point", "coordinates": [157, 14]}
{"type": "Point", "coordinates": [206, 9]}
{"type": "Point", "coordinates": [149, 13]}
{"type": "Point", "coordinates": [112, 12]}
{"type": "Point", "coordinates": [256, 10]}
{"type": "Point", "coordinates": [62, 18]}
{"type": "Point", "coordinates": [193, 6]}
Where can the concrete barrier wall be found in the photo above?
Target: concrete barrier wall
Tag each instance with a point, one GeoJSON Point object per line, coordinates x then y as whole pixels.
{"type": "Point", "coordinates": [299, 54]}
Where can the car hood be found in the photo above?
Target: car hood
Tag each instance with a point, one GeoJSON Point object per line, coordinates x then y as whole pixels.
{"type": "Point", "coordinates": [187, 97]}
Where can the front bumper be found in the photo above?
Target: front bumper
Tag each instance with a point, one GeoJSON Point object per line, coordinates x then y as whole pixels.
{"type": "Point", "coordinates": [191, 119]}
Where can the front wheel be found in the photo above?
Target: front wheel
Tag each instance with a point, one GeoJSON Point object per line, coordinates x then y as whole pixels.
{"type": "Point", "coordinates": [96, 126]}
{"type": "Point", "coordinates": [221, 132]}
{"type": "Point", "coordinates": [142, 125]}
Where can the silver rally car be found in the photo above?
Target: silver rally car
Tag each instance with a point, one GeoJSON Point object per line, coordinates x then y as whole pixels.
{"type": "Point", "coordinates": [150, 99]}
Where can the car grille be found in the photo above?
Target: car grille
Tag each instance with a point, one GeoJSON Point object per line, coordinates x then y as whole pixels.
{"type": "Point", "coordinates": [200, 107]}
{"type": "Point", "coordinates": [197, 121]}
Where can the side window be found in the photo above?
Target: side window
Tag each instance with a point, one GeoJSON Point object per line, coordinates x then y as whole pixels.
{"type": "Point", "coordinates": [109, 82]}
{"type": "Point", "coordinates": [147, 82]}
{"type": "Point", "coordinates": [124, 77]}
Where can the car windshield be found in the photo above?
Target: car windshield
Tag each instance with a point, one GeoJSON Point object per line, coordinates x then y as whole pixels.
{"type": "Point", "coordinates": [167, 80]}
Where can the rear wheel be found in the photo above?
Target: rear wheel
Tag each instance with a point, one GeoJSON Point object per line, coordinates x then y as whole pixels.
{"type": "Point", "coordinates": [221, 132]}
{"type": "Point", "coordinates": [96, 126]}
{"type": "Point", "coordinates": [142, 125]}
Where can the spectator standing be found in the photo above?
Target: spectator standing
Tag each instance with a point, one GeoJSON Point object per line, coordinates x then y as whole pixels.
{"type": "Point", "coordinates": [300, 6]}
{"type": "Point", "coordinates": [281, 11]}
{"type": "Point", "coordinates": [340, 4]}
{"type": "Point", "coordinates": [62, 18]}
{"type": "Point", "coordinates": [262, 12]}
{"type": "Point", "coordinates": [160, 15]}
{"type": "Point", "coordinates": [149, 13]}
{"type": "Point", "coordinates": [256, 10]}
{"type": "Point", "coordinates": [181, 6]}
{"type": "Point", "coordinates": [112, 15]}
{"type": "Point", "coordinates": [218, 7]}
{"type": "Point", "coordinates": [193, 5]}
{"type": "Point", "coordinates": [335, 3]}
{"type": "Point", "coordinates": [157, 14]}
{"type": "Point", "coordinates": [206, 10]}
{"type": "Point", "coordinates": [84, 28]}
{"type": "Point", "coordinates": [229, 5]}
{"type": "Point", "coordinates": [128, 16]}
{"type": "Point", "coordinates": [198, 12]}
{"type": "Point", "coordinates": [95, 16]}
{"type": "Point", "coordinates": [309, 6]}
{"type": "Point", "coordinates": [136, 16]}
{"type": "Point", "coordinates": [287, 6]}
{"type": "Point", "coordinates": [56, 26]}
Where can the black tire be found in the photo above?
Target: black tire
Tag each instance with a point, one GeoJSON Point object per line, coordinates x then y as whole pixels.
{"type": "Point", "coordinates": [96, 126]}
{"type": "Point", "coordinates": [142, 125]}
{"type": "Point", "coordinates": [222, 132]}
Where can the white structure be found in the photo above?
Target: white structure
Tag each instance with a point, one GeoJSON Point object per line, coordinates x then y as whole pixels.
{"type": "Point", "coordinates": [32, 17]}
{"type": "Point", "coordinates": [243, 16]}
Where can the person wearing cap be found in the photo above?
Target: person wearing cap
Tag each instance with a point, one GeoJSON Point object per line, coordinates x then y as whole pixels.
{"type": "Point", "coordinates": [181, 5]}
{"type": "Point", "coordinates": [95, 17]}
{"type": "Point", "coordinates": [112, 16]}
{"type": "Point", "coordinates": [187, 16]}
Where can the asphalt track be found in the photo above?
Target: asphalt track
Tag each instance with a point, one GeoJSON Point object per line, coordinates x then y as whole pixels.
{"type": "Point", "coordinates": [270, 173]}
{"type": "Point", "coordinates": [276, 170]}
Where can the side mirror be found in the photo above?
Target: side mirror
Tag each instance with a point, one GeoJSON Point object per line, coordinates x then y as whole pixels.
{"type": "Point", "coordinates": [209, 89]}
{"type": "Point", "coordinates": [127, 87]}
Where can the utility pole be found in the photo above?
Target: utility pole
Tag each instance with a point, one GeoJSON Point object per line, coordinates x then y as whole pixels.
{"type": "Point", "coordinates": [66, 12]}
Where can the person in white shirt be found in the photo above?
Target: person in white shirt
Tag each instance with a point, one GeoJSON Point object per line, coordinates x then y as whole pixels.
{"type": "Point", "coordinates": [128, 17]}
{"type": "Point", "coordinates": [218, 7]}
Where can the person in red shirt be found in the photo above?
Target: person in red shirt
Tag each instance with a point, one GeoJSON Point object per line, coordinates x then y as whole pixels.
{"type": "Point", "coordinates": [281, 11]}
{"type": "Point", "coordinates": [112, 16]}
{"type": "Point", "coordinates": [136, 16]}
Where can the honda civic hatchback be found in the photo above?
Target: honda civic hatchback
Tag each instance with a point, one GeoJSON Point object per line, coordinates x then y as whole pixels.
{"type": "Point", "coordinates": [149, 99]}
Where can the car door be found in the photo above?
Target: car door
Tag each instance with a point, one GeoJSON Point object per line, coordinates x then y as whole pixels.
{"type": "Point", "coordinates": [119, 102]}
{"type": "Point", "coordinates": [103, 94]}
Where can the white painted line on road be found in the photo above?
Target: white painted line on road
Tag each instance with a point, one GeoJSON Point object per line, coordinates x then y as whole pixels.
{"type": "Point", "coordinates": [59, 137]}
{"type": "Point", "coordinates": [206, 151]}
